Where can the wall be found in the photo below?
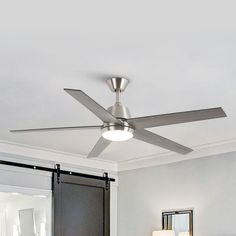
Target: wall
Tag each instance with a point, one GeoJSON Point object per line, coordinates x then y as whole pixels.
{"type": "Point", "coordinates": [206, 184]}
{"type": "Point", "coordinates": [15, 176]}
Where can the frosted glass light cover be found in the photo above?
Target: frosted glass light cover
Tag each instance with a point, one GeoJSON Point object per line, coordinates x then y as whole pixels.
{"type": "Point", "coordinates": [117, 135]}
{"type": "Point", "coordinates": [163, 233]}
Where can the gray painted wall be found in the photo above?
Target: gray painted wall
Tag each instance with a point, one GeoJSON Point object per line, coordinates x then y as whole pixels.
{"type": "Point", "coordinates": [15, 176]}
{"type": "Point", "coordinates": [207, 184]}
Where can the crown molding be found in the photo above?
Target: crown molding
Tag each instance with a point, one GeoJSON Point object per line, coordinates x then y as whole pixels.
{"type": "Point", "coordinates": [19, 152]}
{"type": "Point", "coordinates": [211, 149]}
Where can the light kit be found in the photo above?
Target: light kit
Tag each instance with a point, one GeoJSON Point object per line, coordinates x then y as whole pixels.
{"type": "Point", "coordinates": [117, 133]}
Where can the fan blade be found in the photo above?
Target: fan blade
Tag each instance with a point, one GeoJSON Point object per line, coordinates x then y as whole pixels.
{"type": "Point", "coordinates": [160, 141]}
{"type": "Point", "coordinates": [101, 144]}
{"type": "Point", "coordinates": [176, 118]}
{"type": "Point", "coordinates": [94, 107]}
{"type": "Point", "coordinates": [57, 129]}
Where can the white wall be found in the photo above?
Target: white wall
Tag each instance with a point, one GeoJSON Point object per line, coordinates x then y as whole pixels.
{"type": "Point", "coordinates": [207, 184]}
{"type": "Point", "coordinates": [15, 176]}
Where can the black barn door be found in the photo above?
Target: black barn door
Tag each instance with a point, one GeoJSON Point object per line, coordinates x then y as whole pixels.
{"type": "Point", "coordinates": [81, 206]}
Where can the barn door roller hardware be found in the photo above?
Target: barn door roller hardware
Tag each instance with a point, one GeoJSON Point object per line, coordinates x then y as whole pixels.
{"type": "Point", "coordinates": [59, 171]}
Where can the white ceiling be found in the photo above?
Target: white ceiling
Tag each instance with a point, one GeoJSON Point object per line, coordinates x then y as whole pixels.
{"type": "Point", "coordinates": [178, 55]}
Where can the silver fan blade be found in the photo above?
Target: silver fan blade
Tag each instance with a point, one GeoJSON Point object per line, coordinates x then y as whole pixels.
{"type": "Point", "coordinates": [57, 129]}
{"type": "Point", "coordinates": [176, 118]}
{"type": "Point", "coordinates": [160, 141]}
{"type": "Point", "coordinates": [93, 106]}
{"type": "Point", "coordinates": [101, 144]}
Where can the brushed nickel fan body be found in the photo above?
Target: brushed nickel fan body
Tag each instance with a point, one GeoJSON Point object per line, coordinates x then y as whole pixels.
{"type": "Point", "coordinates": [118, 124]}
{"type": "Point", "coordinates": [118, 85]}
{"type": "Point", "coordinates": [118, 110]}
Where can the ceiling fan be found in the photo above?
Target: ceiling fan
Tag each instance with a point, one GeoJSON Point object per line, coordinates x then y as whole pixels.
{"type": "Point", "coordinates": [119, 126]}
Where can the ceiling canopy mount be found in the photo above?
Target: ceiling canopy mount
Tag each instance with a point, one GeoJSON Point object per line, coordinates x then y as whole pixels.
{"type": "Point", "coordinates": [117, 84]}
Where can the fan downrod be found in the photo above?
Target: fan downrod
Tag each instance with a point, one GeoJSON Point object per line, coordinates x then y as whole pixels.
{"type": "Point", "coordinates": [118, 85]}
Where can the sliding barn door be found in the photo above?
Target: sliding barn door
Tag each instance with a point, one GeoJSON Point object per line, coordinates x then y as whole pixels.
{"type": "Point", "coordinates": [81, 206]}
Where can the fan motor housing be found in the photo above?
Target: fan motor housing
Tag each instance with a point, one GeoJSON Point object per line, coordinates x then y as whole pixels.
{"type": "Point", "coordinates": [119, 111]}
{"type": "Point", "coordinates": [110, 127]}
